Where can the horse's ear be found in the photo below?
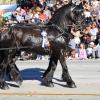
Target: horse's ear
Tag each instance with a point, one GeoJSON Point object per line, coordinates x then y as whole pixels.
{"type": "Point", "coordinates": [81, 5]}
{"type": "Point", "coordinates": [71, 2]}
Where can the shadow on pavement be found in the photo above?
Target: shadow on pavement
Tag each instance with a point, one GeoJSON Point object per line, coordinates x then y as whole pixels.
{"type": "Point", "coordinates": [32, 73]}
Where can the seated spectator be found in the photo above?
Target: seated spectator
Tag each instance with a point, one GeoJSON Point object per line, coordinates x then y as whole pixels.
{"type": "Point", "coordinates": [53, 10]}
{"type": "Point", "coordinates": [65, 2]}
{"type": "Point", "coordinates": [76, 52]}
{"type": "Point", "coordinates": [72, 45]}
{"type": "Point", "coordinates": [89, 50]}
{"type": "Point", "coordinates": [59, 4]}
{"type": "Point", "coordinates": [95, 3]}
{"type": "Point", "coordinates": [38, 57]}
{"type": "Point", "coordinates": [87, 15]}
{"type": "Point", "coordinates": [19, 18]}
{"type": "Point", "coordinates": [22, 12]}
{"type": "Point", "coordinates": [77, 2]}
{"type": "Point", "coordinates": [94, 14]}
{"type": "Point", "coordinates": [29, 16]}
{"type": "Point", "coordinates": [48, 13]}
{"type": "Point", "coordinates": [36, 18]}
{"type": "Point", "coordinates": [82, 52]}
{"type": "Point", "coordinates": [86, 38]}
{"type": "Point", "coordinates": [86, 5]}
{"type": "Point", "coordinates": [93, 32]}
{"type": "Point", "coordinates": [24, 55]}
{"type": "Point", "coordinates": [38, 9]}
{"type": "Point", "coordinates": [96, 50]}
{"type": "Point", "coordinates": [98, 8]}
{"type": "Point", "coordinates": [43, 17]}
{"type": "Point", "coordinates": [49, 3]}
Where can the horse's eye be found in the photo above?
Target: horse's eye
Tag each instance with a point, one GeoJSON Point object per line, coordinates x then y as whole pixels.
{"type": "Point", "coordinates": [77, 12]}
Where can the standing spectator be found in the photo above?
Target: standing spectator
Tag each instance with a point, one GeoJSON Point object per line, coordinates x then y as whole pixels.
{"type": "Point", "coordinates": [82, 52]}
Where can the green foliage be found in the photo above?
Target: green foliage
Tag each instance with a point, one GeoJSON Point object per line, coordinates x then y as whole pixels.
{"type": "Point", "coordinates": [3, 1]}
{"type": "Point", "coordinates": [2, 22]}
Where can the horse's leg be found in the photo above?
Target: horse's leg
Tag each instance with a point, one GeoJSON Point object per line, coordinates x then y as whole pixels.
{"type": "Point", "coordinates": [13, 73]}
{"type": "Point", "coordinates": [48, 75]}
{"type": "Point", "coordinates": [65, 75]}
{"type": "Point", "coordinates": [2, 71]}
{"type": "Point", "coordinates": [3, 66]}
{"type": "Point", "coordinates": [3, 84]}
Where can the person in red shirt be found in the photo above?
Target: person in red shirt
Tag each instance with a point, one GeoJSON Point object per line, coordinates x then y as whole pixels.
{"type": "Point", "coordinates": [43, 17]}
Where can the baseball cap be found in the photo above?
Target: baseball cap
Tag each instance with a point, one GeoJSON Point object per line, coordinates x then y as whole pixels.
{"type": "Point", "coordinates": [91, 43]}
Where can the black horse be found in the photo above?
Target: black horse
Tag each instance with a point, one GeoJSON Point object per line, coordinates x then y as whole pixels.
{"type": "Point", "coordinates": [28, 38]}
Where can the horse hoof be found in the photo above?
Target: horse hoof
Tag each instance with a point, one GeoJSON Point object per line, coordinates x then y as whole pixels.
{"type": "Point", "coordinates": [72, 85]}
{"type": "Point", "coordinates": [63, 79]}
{"type": "Point", "coordinates": [48, 83]}
{"type": "Point", "coordinates": [4, 86]}
{"type": "Point", "coordinates": [19, 80]}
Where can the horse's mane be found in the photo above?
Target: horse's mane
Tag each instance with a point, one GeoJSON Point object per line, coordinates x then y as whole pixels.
{"type": "Point", "coordinates": [60, 15]}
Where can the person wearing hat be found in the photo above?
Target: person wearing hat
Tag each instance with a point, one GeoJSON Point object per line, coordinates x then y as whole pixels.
{"type": "Point", "coordinates": [89, 50]}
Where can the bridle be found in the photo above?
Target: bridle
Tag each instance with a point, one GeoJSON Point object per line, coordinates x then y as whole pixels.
{"type": "Point", "coordinates": [76, 19]}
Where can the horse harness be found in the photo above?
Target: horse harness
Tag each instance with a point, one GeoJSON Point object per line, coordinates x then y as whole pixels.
{"type": "Point", "coordinates": [61, 31]}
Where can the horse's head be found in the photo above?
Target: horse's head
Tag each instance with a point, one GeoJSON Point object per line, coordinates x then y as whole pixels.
{"type": "Point", "coordinates": [77, 15]}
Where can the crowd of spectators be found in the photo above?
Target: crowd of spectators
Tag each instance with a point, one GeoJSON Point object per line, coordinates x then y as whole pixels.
{"type": "Point", "coordinates": [86, 44]}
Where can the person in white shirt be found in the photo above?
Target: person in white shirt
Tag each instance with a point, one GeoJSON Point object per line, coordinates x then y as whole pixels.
{"type": "Point", "coordinates": [93, 32]}
{"type": "Point", "coordinates": [29, 16]}
{"type": "Point", "coordinates": [95, 3]}
{"type": "Point", "coordinates": [89, 50]}
{"type": "Point", "coordinates": [87, 15]}
{"type": "Point", "coordinates": [36, 18]}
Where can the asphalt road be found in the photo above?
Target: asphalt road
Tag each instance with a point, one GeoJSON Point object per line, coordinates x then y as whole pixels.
{"type": "Point", "coordinates": [85, 73]}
